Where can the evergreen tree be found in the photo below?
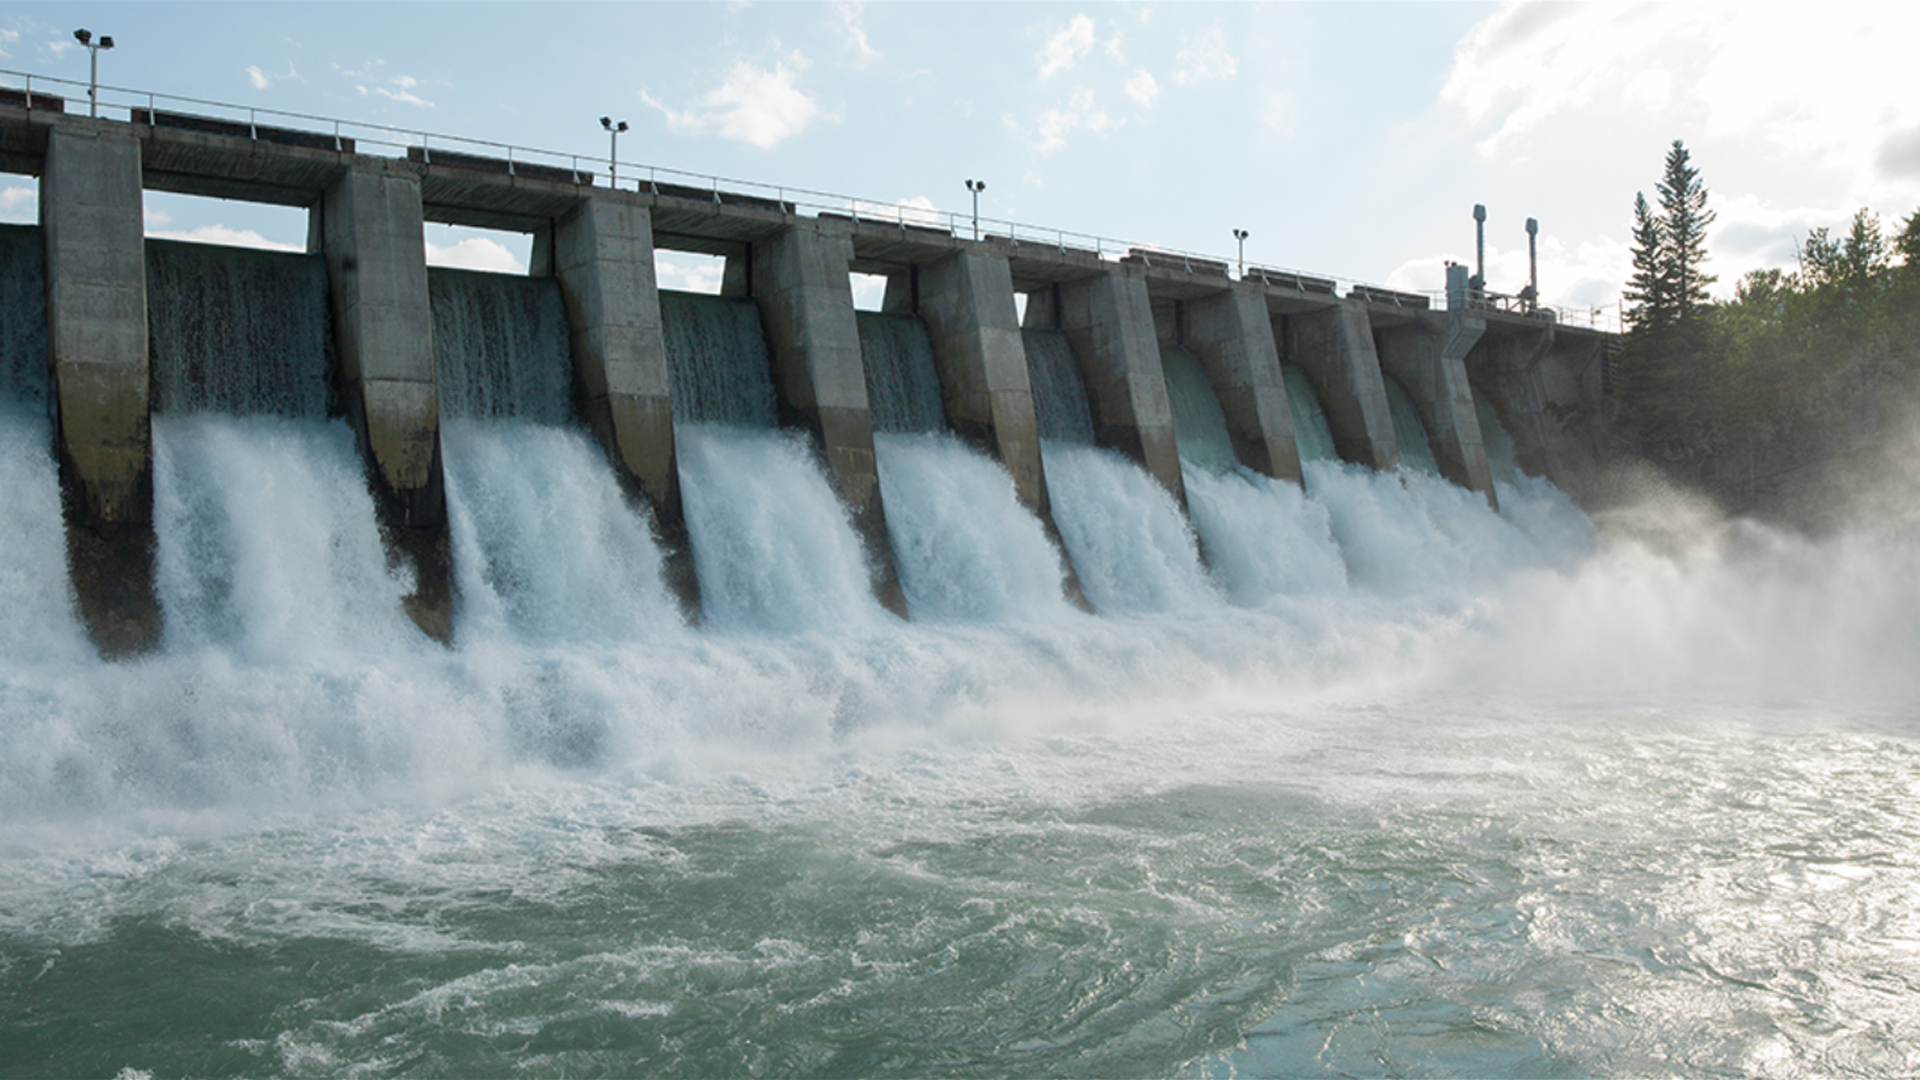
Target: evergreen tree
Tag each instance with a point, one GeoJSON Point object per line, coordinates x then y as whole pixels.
{"type": "Point", "coordinates": [1648, 308]}
{"type": "Point", "coordinates": [1684, 218]}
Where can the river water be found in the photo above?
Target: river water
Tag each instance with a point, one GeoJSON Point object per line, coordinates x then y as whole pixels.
{"type": "Point", "coordinates": [1416, 790]}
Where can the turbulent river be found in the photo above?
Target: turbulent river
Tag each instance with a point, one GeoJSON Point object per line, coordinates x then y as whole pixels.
{"type": "Point", "coordinates": [1370, 781]}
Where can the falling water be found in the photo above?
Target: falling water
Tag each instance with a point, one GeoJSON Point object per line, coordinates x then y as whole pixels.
{"type": "Point", "coordinates": [1199, 426]}
{"type": "Point", "coordinates": [500, 347]}
{"type": "Point", "coordinates": [1310, 430]}
{"type": "Point", "coordinates": [717, 360]}
{"type": "Point", "coordinates": [1059, 398]}
{"type": "Point", "coordinates": [1501, 458]}
{"type": "Point", "coordinates": [903, 388]}
{"type": "Point", "coordinates": [238, 331]}
{"type": "Point", "coordinates": [1415, 451]}
{"type": "Point", "coordinates": [23, 329]}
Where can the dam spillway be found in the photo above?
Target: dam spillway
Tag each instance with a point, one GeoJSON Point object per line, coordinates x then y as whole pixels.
{"type": "Point", "coordinates": [1140, 369]}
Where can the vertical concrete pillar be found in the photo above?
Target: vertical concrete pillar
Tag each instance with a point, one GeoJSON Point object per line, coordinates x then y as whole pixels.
{"type": "Point", "coordinates": [800, 283]}
{"type": "Point", "coordinates": [1546, 388]}
{"type": "Point", "coordinates": [1108, 319]}
{"type": "Point", "coordinates": [374, 241]}
{"type": "Point", "coordinates": [1232, 335]}
{"type": "Point", "coordinates": [602, 252]}
{"type": "Point", "coordinates": [1428, 356]}
{"type": "Point", "coordinates": [1335, 348]}
{"type": "Point", "coordinates": [91, 224]}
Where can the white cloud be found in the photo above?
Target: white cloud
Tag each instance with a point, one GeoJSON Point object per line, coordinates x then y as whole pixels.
{"type": "Point", "coordinates": [754, 106]}
{"type": "Point", "coordinates": [1067, 47]}
{"type": "Point", "coordinates": [1080, 113]}
{"type": "Point", "coordinates": [217, 234]}
{"type": "Point", "coordinates": [1279, 111]}
{"type": "Point", "coordinates": [1143, 87]}
{"type": "Point", "coordinates": [1585, 277]}
{"type": "Point", "coordinates": [19, 204]}
{"type": "Point", "coordinates": [475, 253]}
{"type": "Point", "coordinates": [918, 210]}
{"type": "Point", "coordinates": [846, 16]}
{"type": "Point", "coordinates": [1205, 57]}
{"type": "Point", "coordinates": [405, 97]}
{"type": "Point", "coordinates": [688, 273]}
{"type": "Point", "coordinates": [8, 38]}
{"type": "Point", "coordinates": [257, 77]}
{"type": "Point", "coordinates": [152, 217]}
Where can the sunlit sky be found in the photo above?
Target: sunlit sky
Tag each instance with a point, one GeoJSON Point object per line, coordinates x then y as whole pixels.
{"type": "Point", "coordinates": [1349, 139]}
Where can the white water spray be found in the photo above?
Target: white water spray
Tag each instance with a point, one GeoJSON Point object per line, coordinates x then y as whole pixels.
{"type": "Point", "coordinates": [1129, 543]}
{"type": "Point", "coordinates": [1263, 537]}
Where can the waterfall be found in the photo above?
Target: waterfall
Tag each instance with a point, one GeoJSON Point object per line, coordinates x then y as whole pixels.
{"type": "Point", "coordinates": [717, 360]}
{"type": "Point", "coordinates": [1502, 461]}
{"type": "Point", "coordinates": [37, 620]}
{"type": "Point", "coordinates": [1311, 432]}
{"type": "Point", "coordinates": [1263, 537]}
{"type": "Point", "coordinates": [23, 318]}
{"type": "Point", "coordinates": [772, 545]}
{"type": "Point", "coordinates": [545, 545]}
{"type": "Point", "coordinates": [967, 550]}
{"type": "Point", "coordinates": [238, 331]}
{"type": "Point", "coordinates": [903, 387]}
{"type": "Point", "coordinates": [1415, 451]}
{"type": "Point", "coordinates": [1129, 543]}
{"type": "Point", "coordinates": [267, 544]}
{"type": "Point", "coordinates": [500, 347]}
{"type": "Point", "coordinates": [1059, 397]}
{"type": "Point", "coordinates": [1199, 425]}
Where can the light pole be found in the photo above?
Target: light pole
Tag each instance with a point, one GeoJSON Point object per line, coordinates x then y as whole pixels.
{"type": "Point", "coordinates": [976, 186]}
{"type": "Point", "coordinates": [85, 37]}
{"type": "Point", "coordinates": [613, 148]}
{"type": "Point", "coordinates": [1241, 235]}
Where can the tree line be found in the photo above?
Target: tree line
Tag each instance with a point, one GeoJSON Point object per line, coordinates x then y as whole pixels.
{"type": "Point", "coordinates": [1750, 398]}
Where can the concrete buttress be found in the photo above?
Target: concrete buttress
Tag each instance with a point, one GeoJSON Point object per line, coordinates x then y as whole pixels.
{"type": "Point", "coordinates": [1334, 346]}
{"type": "Point", "coordinates": [602, 252]}
{"type": "Point", "coordinates": [1428, 357]}
{"type": "Point", "coordinates": [91, 223]}
{"type": "Point", "coordinates": [372, 234]}
{"type": "Point", "coordinates": [1232, 335]}
{"type": "Point", "coordinates": [801, 285]}
{"type": "Point", "coordinates": [1108, 320]}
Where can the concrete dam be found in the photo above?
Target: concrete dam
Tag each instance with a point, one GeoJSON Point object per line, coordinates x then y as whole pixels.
{"type": "Point", "coordinates": [761, 453]}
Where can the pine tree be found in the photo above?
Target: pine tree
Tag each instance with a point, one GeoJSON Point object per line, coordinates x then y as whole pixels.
{"type": "Point", "coordinates": [1648, 309]}
{"type": "Point", "coordinates": [1684, 218]}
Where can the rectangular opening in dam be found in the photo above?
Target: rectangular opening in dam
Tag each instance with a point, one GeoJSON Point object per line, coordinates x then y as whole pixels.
{"type": "Point", "coordinates": [492, 251]}
{"type": "Point", "coordinates": [19, 199]}
{"type": "Point", "coordinates": [201, 219]}
{"type": "Point", "coordinates": [869, 290]}
{"type": "Point", "coordinates": [689, 271]}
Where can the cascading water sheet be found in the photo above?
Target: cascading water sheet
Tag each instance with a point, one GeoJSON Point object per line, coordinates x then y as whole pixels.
{"type": "Point", "coordinates": [267, 541]}
{"type": "Point", "coordinates": [1129, 543]}
{"type": "Point", "coordinates": [238, 331]}
{"type": "Point", "coordinates": [23, 329]}
{"type": "Point", "coordinates": [772, 545]}
{"type": "Point", "coordinates": [1502, 460]}
{"type": "Point", "coordinates": [1059, 398]}
{"type": "Point", "coordinates": [965, 547]}
{"type": "Point", "coordinates": [545, 545]}
{"type": "Point", "coordinates": [903, 387]}
{"type": "Point", "coordinates": [1416, 451]}
{"type": "Point", "coordinates": [500, 346]}
{"type": "Point", "coordinates": [717, 360]}
{"type": "Point", "coordinates": [1311, 433]}
{"type": "Point", "coordinates": [37, 620]}
{"type": "Point", "coordinates": [1199, 424]}
{"type": "Point", "coordinates": [1263, 537]}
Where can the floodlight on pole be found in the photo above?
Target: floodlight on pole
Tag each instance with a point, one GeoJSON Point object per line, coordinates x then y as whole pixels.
{"type": "Point", "coordinates": [976, 186]}
{"type": "Point", "coordinates": [1241, 236]}
{"type": "Point", "coordinates": [85, 37]}
{"type": "Point", "coordinates": [613, 148]}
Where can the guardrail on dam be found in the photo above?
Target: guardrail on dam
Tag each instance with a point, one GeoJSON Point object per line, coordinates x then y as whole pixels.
{"type": "Point", "coordinates": [1120, 314]}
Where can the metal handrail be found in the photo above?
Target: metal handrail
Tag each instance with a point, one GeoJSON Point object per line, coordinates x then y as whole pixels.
{"type": "Point", "coordinates": [859, 209]}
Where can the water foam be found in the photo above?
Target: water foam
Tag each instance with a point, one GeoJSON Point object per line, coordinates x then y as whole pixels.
{"type": "Point", "coordinates": [1263, 537]}
{"type": "Point", "coordinates": [1130, 545]}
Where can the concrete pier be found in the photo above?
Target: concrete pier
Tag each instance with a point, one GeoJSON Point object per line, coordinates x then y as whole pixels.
{"type": "Point", "coordinates": [602, 252]}
{"type": "Point", "coordinates": [801, 284]}
{"type": "Point", "coordinates": [372, 233]}
{"type": "Point", "coordinates": [1545, 386]}
{"type": "Point", "coordinates": [1108, 320]}
{"type": "Point", "coordinates": [1427, 355]}
{"type": "Point", "coordinates": [1232, 335]}
{"type": "Point", "coordinates": [1334, 345]}
{"type": "Point", "coordinates": [91, 222]}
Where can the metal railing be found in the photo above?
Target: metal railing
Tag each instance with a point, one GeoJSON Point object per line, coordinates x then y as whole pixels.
{"type": "Point", "coordinates": [391, 141]}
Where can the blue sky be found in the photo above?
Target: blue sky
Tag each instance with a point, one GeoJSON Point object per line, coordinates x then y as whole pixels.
{"type": "Point", "coordinates": [1350, 139]}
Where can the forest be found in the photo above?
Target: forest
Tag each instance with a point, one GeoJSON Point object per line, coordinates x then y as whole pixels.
{"type": "Point", "coordinates": [1795, 388]}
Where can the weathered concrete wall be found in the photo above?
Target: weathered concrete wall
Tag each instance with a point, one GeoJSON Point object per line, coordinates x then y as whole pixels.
{"type": "Point", "coordinates": [1108, 320]}
{"type": "Point", "coordinates": [966, 302]}
{"type": "Point", "coordinates": [373, 237]}
{"type": "Point", "coordinates": [800, 283]}
{"type": "Point", "coordinates": [1546, 389]}
{"type": "Point", "coordinates": [1428, 357]}
{"type": "Point", "coordinates": [602, 252]}
{"type": "Point", "coordinates": [1232, 335]}
{"type": "Point", "coordinates": [91, 223]}
{"type": "Point", "coordinates": [1334, 347]}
